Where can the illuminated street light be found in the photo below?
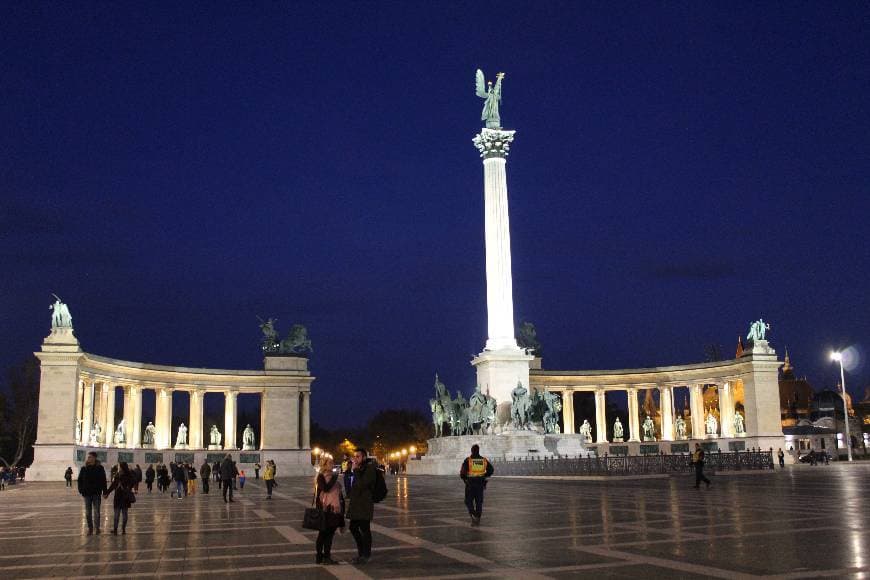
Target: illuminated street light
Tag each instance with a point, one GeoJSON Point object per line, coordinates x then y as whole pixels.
{"type": "Point", "coordinates": [838, 356]}
{"type": "Point", "coordinates": [413, 450]}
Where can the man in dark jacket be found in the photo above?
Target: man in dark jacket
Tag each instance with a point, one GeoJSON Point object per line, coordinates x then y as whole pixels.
{"type": "Point", "coordinates": [149, 477]}
{"type": "Point", "coordinates": [362, 506]}
{"type": "Point", "coordinates": [92, 485]}
{"type": "Point", "coordinates": [178, 476]}
{"type": "Point", "coordinates": [228, 472]}
{"type": "Point", "coordinates": [698, 460]}
{"type": "Point", "coordinates": [474, 472]}
{"type": "Point", "coordinates": [205, 474]}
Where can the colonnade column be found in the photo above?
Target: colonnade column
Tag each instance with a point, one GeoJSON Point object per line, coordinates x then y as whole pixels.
{"type": "Point", "coordinates": [163, 418]}
{"type": "Point", "coordinates": [79, 400]}
{"type": "Point", "coordinates": [134, 428]}
{"type": "Point", "coordinates": [306, 420]}
{"type": "Point", "coordinates": [88, 412]}
{"type": "Point", "coordinates": [726, 410]}
{"type": "Point", "coordinates": [633, 419]}
{"type": "Point", "coordinates": [230, 419]}
{"type": "Point", "coordinates": [128, 415]}
{"type": "Point", "coordinates": [110, 413]}
{"type": "Point", "coordinates": [666, 398]}
{"type": "Point", "coordinates": [696, 405]}
{"type": "Point", "coordinates": [600, 416]}
{"type": "Point", "coordinates": [568, 411]}
{"type": "Point", "coordinates": [195, 439]}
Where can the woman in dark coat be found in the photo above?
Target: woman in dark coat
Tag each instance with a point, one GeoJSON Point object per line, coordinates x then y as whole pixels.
{"type": "Point", "coordinates": [122, 485]}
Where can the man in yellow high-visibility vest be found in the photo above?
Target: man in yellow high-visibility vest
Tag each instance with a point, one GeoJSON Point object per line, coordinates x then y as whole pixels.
{"type": "Point", "coordinates": [475, 471]}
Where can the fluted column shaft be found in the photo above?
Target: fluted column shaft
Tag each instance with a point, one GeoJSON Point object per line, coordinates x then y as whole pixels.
{"type": "Point", "coordinates": [633, 418]}
{"type": "Point", "coordinates": [306, 420]}
{"type": "Point", "coordinates": [726, 410]}
{"type": "Point", "coordinates": [666, 397]}
{"type": "Point", "coordinates": [696, 404]}
{"type": "Point", "coordinates": [568, 410]}
{"type": "Point", "coordinates": [163, 418]}
{"type": "Point", "coordinates": [230, 426]}
{"type": "Point", "coordinates": [110, 414]}
{"type": "Point", "coordinates": [80, 396]}
{"type": "Point", "coordinates": [195, 421]}
{"type": "Point", "coordinates": [88, 412]}
{"type": "Point", "coordinates": [600, 416]}
{"type": "Point", "coordinates": [134, 428]}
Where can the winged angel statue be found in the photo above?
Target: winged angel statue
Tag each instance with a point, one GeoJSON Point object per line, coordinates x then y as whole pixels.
{"type": "Point", "coordinates": [492, 94]}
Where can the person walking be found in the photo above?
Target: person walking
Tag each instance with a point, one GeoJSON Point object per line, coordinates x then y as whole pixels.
{"type": "Point", "coordinates": [781, 457]}
{"type": "Point", "coordinates": [228, 473]}
{"type": "Point", "coordinates": [191, 480]}
{"type": "Point", "coordinates": [137, 473]}
{"type": "Point", "coordinates": [328, 497]}
{"type": "Point", "coordinates": [475, 471]}
{"type": "Point", "coordinates": [205, 474]}
{"type": "Point", "coordinates": [362, 505]}
{"type": "Point", "coordinates": [122, 485]}
{"type": "Point", "coordinates": [91, 485]}
{"type": "Point", "coordinates": [216, 470]}
{"type": "Point", "coordinates": [269, 478]}
{"type": "Point", "coordinates": [67, 475]}
{"type": "Point", "coordinates": [242, 477]}
{"type": "Point", "coordinates": [149, 477]}
{"type": "Point", "coordinates": [178, 478]}
{"type": "Point", "coordinates": [698, 461]}
{"type": "Point", "coordinates": [256, 471]}
{"type": "Point", "coordinates": [347, 470]}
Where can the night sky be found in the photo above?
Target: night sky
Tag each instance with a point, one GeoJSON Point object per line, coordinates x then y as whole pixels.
{"type": "Point", "coordinates": [173, 170]}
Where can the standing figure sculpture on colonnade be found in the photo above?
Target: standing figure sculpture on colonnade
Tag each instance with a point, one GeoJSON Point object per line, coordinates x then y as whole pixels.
{"type": "Point", "coordinates": [649, 429]}
{"type": "Point", "coordinates": [680, 424]}
{"type": "Point", "coordinates": [618, 431]}
{"type": "Point", "coordinates": [586, 431]}
{"type": "Point", "coordinates": [739, 425]}
{"type": "Point", "coordinates": [96, 434]}
{"type": "Point", "coordinates": [758, 330]}
{"type": "Point", "coordinates": [120, 434]}
{"type": "Point", "coordinates": [60, 316]}
{"type": "Point", "coordinates": [711, 423]}
{"type": "Point", "coordinates": [214, 437]}
{"type": "Point", "coordinates": [150, 434]}
{"type": "Point", "coordinates": [181, 440]}
{"type": "Point", "coordinates": [248, 438]}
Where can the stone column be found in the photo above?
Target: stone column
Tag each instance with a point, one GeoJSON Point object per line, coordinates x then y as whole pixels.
{"type": "Point", "coordinates": [633, 419]}
{"type": "Point", "coordinates": [568, 410]}
{"type": "Point", "coordinates": [80, 399]}
{"type": "Point", "coordinates": [726, 410]}
{"type": "Point", "coordinates": [230, 426]}
{"type": "Point", "coordinates": [110, 414]}
{"type": "Point", "coordinates": [128, 415]}
{"type": "Point", "coordinates": [134, 429]}
{"type": "Point", "coordinates": [696, 404]}
{"type": "Point", "coordinates": [666, 398]}
{"type": "Point", "coordinates": [306, 420]}
{"type": "Point", "coordinates": [88, 412]}
{"type": "Point", "coordinates": [163, 418]}
{"type": "Point", "coordinates": [196, 411]}
{"type": "Point", "coordinates": [600, 416]}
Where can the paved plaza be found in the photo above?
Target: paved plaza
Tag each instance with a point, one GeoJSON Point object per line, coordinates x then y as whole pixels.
{"type": "Point", "coordinates": [798, 523]}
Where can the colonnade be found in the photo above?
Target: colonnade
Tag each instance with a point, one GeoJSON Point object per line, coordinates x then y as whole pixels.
{"type": "Point", "coordinates": [667, 407]}
{"type": "Point", "coordinates": [95, 404]}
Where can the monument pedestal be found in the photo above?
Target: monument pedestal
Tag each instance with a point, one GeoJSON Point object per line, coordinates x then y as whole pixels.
{"type": "Point", "coordinates": [214, 447]}
{"type": "Point", "coordinates": [498, 372]}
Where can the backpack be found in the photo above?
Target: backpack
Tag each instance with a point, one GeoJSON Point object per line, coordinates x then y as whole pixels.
{"type": "Point", "coordinates": [379, 492]}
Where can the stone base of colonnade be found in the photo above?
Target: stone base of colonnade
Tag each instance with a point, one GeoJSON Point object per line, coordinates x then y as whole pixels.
{"type": "Point", "coordinates": [50, 461]}
{"type": "Point", "coordinates": [445, 454]}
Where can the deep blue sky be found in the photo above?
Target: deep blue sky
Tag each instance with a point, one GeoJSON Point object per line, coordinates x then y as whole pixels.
{"type": "Point", "coordinates": [173, 170]}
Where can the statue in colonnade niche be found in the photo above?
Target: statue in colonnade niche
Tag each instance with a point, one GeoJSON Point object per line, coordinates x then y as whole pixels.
{"type": "Point", "coordinates": [552, 406]}
{"type": "Point", "coordinates": [214, 437]}
{"type": "Point", "coordinates": [150, 434]}
{"type": "Point", "coordinates": [739, 424]}
{"type": "Point", "coordinates": [649, 429]}
{"type": "Point", "coordinates": [181, 440]}
{"type": "Point", "coordinates": [248, 438]}
{"type": "Point", "coordinates": [618, 431]}
{"type": "Point", "coordinates": [681, 428]}
{"type": "Point", "coordinates": [520, 407]}
{"type": "Point", "coordinates": [120, 434]}
{"type": "Point", "coordinates": [79, 430]}
{"type": "Point", "coordinates": [711, 424]}
{"type": "Point", "coordinates": [96, 434]}
{"type": "Point", "coordinates": [586, 430]}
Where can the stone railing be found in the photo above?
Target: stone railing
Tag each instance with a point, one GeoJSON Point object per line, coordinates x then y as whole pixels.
{"type": "Point", "coordinates": [634, 464]}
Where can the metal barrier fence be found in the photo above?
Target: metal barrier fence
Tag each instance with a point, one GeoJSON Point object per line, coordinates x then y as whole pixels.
{"type": "Point", "coordinates": [634, 464]}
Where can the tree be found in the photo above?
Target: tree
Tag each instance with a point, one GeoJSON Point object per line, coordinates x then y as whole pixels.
{"type": "Point", "coordinates": [396, 428]}
{"type": "Point", "coordinates": [20, 416]}
{"type": "Point", "coordinates": [527, 338]}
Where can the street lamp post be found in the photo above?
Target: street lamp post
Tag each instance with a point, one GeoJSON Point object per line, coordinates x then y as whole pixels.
{"type": "Point", "coordinates": [838, 356]}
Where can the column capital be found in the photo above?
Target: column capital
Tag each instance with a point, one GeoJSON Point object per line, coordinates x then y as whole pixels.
{"type": "Point", "coordinates": [493, 142]}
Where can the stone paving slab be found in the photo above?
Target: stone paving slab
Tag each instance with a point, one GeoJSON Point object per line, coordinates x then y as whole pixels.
{"type": "Point", "coordinates": [795, 523]}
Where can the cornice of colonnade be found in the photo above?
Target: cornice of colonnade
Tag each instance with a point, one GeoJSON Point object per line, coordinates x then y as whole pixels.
{"type": "Point", "coordinates": [718, 372]}
{"type": "Point", "coordinates": [150, 376]}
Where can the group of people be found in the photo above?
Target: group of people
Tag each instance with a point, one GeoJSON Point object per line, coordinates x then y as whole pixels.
{"type": "Point", "coordinates": [10, 475]}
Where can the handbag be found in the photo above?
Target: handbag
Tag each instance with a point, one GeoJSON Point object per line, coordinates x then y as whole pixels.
{"type": "Point", "coordinates": [314, 519]}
